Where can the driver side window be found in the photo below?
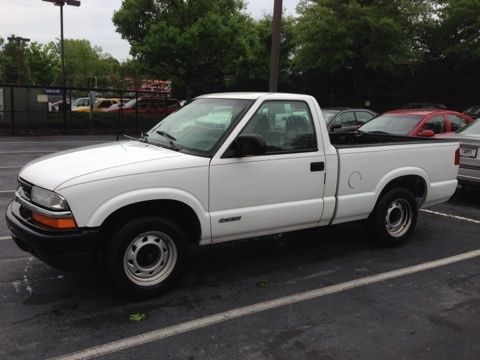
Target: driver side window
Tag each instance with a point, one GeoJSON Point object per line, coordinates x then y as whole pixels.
{"type": "Point", "coordinates": [286, 127]}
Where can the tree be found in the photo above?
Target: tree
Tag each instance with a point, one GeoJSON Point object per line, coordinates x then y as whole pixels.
{"type": "Point", "coordinates": [83, 62]}
{"type": "Point", "coordinates": [43, 63]}
{"type": "Point", "coordinates": [3, 61]}
{"type": "Point", "coordinates": [14, 60]}
{"type": "Point", "coordinates": [196, 43]}
{"type": "Point", "coordinates": [254, 67]}
{"type": "Point", "coordinates": [459, 23]}
{"type": "Point", "coordinates": [356, 35]}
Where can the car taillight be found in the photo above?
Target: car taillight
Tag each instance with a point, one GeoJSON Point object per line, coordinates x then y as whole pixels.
{"type": "Point", "coordinates": [457, 156]}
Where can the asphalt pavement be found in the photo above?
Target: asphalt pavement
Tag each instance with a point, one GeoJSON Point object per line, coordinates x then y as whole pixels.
{"type": "Point", "coordinates": [255, 289]}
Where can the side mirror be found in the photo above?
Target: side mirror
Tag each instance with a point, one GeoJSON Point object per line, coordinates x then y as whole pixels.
{"type": "Point", "coordinates": [247, 145]}
{"type": "Point", "coordinates": [335, 127]}
{"type": "Point", "coordinates": [426, 133]}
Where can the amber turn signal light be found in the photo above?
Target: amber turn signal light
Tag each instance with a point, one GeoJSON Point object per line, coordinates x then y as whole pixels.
{"type": "Point", "coordinates": [56, 223]}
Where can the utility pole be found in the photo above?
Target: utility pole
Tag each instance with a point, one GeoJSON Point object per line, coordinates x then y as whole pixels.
{"type": "Point", "coordinates": [61, 4]}
{"type": "Point", "coordinates": [275, 52]}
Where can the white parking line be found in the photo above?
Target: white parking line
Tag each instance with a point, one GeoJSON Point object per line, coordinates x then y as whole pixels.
{"type": "Point", "coordinates": [25, 152]}
{"type": "Point", "coordinates": [451, 216]}
{"type": "Point", "coordinates": [5, 238]}
{"type": "Point", "coordinates": [7, 191]}
{"type": "Point", "coordinates": [188, 326]}
{"type": "Point", "coordinates": [17, 259]}
{"type": "Point", "coordinates": [56, 142]}
{"type": "Point", "coordinates": [11, 167]}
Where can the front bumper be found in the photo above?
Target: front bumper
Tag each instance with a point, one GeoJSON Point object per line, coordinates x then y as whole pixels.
{"type": "Point", "coordinates": [63, 249]}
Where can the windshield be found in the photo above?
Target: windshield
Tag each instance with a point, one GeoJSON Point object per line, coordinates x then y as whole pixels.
{"type": "Point", "coordinates": [471, 129]}
{"type": "Point", "coordinates": [392, 124]}
{"type": "Point", "coordinates": [81, 102]}
{"type": "Point", "coordinates": [328, 115]}
{"type": "Point", "coordinates": [199, 125]}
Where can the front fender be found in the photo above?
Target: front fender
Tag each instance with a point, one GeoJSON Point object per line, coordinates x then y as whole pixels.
{"type": "Point", "coordinates": [129, 198]}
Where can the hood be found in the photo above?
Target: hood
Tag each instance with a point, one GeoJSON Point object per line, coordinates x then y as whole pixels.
{"type": "Point", "coordinates": [51, 171]}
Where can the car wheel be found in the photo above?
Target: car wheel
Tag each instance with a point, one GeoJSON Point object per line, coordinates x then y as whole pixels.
{"type": "Point", "coordinates": [394, 217]}
{"type": "Point", "coordinates": [146, 256]}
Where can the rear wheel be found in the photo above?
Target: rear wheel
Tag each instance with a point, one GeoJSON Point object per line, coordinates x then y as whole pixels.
{"type": "Point", "coordinates": [394, 217]}
{"type": "Point", "coordinates": [146, 256]}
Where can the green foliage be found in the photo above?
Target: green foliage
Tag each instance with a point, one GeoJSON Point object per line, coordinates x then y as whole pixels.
{"type": "Point", "coordinates": [342, 34]}
{"type": "Point", "coordinates": [195, 43]}
{"type": "Point", "coordinates": [137, 317]}
{"type": "Point", "coordinates": [14, 61]}
{"type": "Point", "coordinates": [255, 62]}
{"type": "Point", "coordinates": [39, 64]}
{"type": "Point", "coordinates": [459, 28]}
{"type": "Point", "coordinates": [3, 61]}
{"type": "Point", "coordinates": [43, 63]}
{"type": "Point", "coordinates": [82, 62]}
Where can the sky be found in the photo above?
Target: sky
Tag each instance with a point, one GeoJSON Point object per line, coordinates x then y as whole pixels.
{"type": "Point", "coordinates": [40, 21]}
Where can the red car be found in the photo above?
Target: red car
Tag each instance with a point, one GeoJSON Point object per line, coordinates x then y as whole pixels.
{"type": "Point", "coordinates": [148, 105]}
{"type": "Point", "coordinates": [424, 123]}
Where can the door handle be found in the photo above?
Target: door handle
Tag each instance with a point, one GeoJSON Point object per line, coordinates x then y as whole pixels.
{"type": "Point", "coordinates": [317, 166]}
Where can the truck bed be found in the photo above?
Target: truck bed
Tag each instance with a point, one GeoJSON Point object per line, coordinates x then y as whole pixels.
{"type": "Point", "coordinates": [367, 162]}
{"type": "Point", "coordinates": [360, 139]}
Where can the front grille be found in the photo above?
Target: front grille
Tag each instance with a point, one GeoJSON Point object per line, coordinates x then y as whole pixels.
{"type": "Point", "coordinates": [25, 191]}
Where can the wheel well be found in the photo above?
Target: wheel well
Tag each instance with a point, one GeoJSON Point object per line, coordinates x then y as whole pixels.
{"type": "Point", "coordinates": [414, 183]}
{"type": "Point", "coordinates": [176, 211]}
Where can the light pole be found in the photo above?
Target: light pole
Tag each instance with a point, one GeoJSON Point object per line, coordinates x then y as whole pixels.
{"type": "Point", "coordinates": [275, 52]}
{"type": "Point", "coordinates": [61, 4]}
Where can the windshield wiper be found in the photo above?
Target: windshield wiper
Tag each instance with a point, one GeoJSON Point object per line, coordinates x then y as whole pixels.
{"type": "Point", "coordinates": [142, 138]}
{"type": "Point", "coordinates": [165, 134]}
{"type": "Point", "coordinates": [378, 132]}
{"type": "Point", "coordinates": [170, 139]}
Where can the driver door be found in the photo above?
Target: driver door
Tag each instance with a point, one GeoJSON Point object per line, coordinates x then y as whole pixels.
{"type": "Point", "coordinates": [278, 191]}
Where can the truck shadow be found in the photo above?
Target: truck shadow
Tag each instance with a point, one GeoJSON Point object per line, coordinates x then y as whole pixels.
{"type": "Point", "coordinates": [214, 264]}
{"type": "Point", "coordinates": [467, 196]}
{"type": "Point", "coordinates": [281, 252]}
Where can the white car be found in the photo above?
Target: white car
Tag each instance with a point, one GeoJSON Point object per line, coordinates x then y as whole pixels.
{"type": "Point", "coordinates": [202, 176]}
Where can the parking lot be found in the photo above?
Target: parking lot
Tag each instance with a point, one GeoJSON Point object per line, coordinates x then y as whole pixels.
{"type": "Point", "coordinates": [320, 294]}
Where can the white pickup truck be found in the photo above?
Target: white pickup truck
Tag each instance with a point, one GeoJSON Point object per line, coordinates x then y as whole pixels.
{"type": "Point", "coordinates": [225, 167]}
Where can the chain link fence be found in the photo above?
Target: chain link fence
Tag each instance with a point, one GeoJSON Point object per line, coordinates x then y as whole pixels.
{"type": "Point", "coordinates": [40, 110]}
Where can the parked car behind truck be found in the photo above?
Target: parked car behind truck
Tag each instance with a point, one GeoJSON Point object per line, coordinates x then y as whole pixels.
{"type": "Point", "coordinates": [424, 123]}
{"type": "Point", "coordinates": [224, 167]}
{"type": "Point", "coordinates": [99, 105]}
{"type": "Point", "coordinates": [469, 138]}
{"type": "Point", "coordinates": [147, 105]}
{"type": "Point", "coordinates": [346, 119]}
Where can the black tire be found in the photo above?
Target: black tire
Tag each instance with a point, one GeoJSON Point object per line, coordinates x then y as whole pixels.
{"type": "Point", "coordinates": [146, 256]}
{"type": "Point", "coordinates": [394, 217]}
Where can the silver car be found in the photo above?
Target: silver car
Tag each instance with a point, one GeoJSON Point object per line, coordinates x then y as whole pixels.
{"type": "Point", "coordinates": [469, 138]}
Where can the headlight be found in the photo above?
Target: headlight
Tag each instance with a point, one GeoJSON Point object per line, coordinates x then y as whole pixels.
{"type": "Point", "coordinates": [48, 199]}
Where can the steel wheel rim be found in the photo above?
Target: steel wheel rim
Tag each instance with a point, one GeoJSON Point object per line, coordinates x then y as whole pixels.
{"type": "Point", "coordinates": [150, 258]}
{"type": "Point", "coordinates": [398, 217]}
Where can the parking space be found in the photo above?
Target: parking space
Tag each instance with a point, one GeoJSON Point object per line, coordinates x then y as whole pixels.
{"type": "Point", "coordinates": [430, 313]}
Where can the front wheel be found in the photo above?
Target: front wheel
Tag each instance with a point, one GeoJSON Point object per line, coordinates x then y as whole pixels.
{"type": "Point", "coordinates": [146, 256]}
{"type": "Point", "coordinates": [394, 217]}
